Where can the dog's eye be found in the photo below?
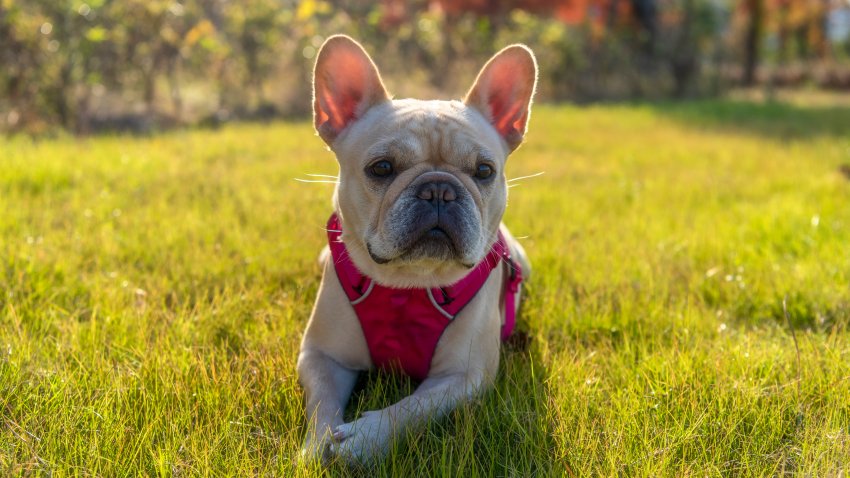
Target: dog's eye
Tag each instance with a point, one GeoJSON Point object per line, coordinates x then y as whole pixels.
{"type": "Point", "coordinates": [483, 171]}
{"type": "Point", "coordinates": [381, 169]}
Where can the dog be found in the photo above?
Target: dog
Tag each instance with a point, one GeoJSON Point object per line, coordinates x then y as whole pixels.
{"type": "Point", "coordinates": [420, 276]}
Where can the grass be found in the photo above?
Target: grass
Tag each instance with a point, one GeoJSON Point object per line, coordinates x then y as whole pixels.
{"type": "Point", "coordinates": [153, 292]}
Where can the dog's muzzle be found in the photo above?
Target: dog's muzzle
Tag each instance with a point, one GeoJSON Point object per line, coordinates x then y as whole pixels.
{"type": "Point", "coordinates": [435, 218]}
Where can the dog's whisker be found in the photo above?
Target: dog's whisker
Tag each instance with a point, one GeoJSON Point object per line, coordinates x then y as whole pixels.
{"type": "Point", "coordinates": [321, 175]}
{"type": "Point", "coordinates": [527, 177]}
{"type": "Point", "coordinates": [348, 253]}
{"type": "Point", "coordinates": [320, 181]}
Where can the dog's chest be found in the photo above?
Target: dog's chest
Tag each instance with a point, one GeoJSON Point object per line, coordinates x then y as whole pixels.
{"type": "Point", "coordinates": [402, 328]}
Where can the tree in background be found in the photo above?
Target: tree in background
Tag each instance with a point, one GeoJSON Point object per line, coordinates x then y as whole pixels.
{"type": "Point", "coordinates": [754, 11]}
{"type": "Point", "coordinates": [86, 64]}
{"type": "Point", "coordinates": [254, 28]}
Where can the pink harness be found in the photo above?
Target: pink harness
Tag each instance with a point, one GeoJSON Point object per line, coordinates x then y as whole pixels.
{"type": "Point", "coordinates": [402, 326]}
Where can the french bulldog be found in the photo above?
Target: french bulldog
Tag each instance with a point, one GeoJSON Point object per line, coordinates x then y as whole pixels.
{"type": "Point", "coordinates": [420, 276]}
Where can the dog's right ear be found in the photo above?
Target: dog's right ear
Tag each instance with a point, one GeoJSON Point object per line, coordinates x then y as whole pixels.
{"type": "Point", "coordinates": [346, 84]}
{"type": "Point", "coordinates": [503, 92]}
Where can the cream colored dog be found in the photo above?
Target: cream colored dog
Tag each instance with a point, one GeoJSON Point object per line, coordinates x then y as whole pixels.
{"type": "Point", "coordinates": [388, 151]}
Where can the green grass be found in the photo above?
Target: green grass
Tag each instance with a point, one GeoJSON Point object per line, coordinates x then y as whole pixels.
{"type": "Point", "coordinates": [153, 292]}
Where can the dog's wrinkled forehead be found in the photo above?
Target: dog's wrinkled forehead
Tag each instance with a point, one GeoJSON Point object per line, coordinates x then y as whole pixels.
{"type": "Point", "coordinates": [412, 131]}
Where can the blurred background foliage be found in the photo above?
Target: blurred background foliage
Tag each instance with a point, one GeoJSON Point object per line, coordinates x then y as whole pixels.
{"type": "Point", "coordinates": [141, 65]}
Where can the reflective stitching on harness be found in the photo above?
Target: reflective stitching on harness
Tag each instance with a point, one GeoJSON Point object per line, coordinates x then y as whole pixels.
{"type": "Point", "coordinates": [438, 307]}
{"type": "Point", "coordinates": [365, 294]}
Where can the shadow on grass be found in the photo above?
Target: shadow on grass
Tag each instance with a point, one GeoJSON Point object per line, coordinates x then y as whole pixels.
{"type": "Point", "coordinates": [775, 120]}
{"type": "Point", "coordinates": [507, 431]}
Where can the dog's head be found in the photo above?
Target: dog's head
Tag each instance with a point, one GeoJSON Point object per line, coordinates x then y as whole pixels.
{"type": "Point", "coordinates": [421, 185]}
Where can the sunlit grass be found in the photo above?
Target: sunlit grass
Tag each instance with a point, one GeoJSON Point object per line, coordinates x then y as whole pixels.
{"type": "Point", "coordinates": [153, 292]}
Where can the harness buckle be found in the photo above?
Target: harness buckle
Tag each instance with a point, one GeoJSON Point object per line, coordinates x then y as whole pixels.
{"type": "Point", "coordinates": [513, 273]}
{"type": "Point", "coordinates": [446, 298]}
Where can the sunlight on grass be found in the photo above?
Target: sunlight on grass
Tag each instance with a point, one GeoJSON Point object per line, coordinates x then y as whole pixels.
{"type": "Point", "coordinates": [154, 291]}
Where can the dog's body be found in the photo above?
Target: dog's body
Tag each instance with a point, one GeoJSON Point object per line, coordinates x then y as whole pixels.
{"type": "Point", "coordinates": [420, 198]}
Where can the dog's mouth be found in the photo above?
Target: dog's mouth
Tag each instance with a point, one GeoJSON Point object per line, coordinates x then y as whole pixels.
{"type": "Point", "coordinates": [416, 232]}
{"type": "Point", "coordinates": [434, 244]}
{"type": "Point", "coordinates": [438, 234]}
{"type": "Point", "coordinates": [375, 257]}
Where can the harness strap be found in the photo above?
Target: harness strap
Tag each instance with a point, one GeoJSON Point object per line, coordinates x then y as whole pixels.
{"type": "Point", "coordinates": [448, 301]}
{"type": "Point", "coordinates": [511, 289]}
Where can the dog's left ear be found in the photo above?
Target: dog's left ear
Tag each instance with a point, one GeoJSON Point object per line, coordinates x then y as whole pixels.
{"type": "Point", "coordinates": [503, 92]}
{"type": "Point", "coordinates": [346, 83]}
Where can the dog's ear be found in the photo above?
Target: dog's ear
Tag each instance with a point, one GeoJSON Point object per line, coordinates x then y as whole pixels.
{"type": "Point", "coordinates": [503, 92]}
{"type": "Point", "coordinates": [346, 84]}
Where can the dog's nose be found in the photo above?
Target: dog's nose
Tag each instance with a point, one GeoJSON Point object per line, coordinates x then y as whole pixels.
{"type": "Point", "coordinates": [437, 192]}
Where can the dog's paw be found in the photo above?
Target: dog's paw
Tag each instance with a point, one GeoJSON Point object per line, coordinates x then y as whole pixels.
{"type": "Point", "coordinates": [364, 439]}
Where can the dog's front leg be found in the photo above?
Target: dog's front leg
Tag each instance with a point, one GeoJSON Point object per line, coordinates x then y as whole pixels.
{"type": "Point", "coordinates": [327, 386]}
{"type": "Point", "coordinates": [370, 435]}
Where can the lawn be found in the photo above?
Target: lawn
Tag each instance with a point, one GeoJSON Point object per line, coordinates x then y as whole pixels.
{"type": "Point", "coordinates": [153, 292]}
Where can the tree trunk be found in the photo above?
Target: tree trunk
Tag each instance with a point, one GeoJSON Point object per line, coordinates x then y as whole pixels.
{"type": "Point", "coordinates": [646, 13]}
{"type": "Point", "coordinates": [83, 126]}
{"type": "Point", "coordinates": [752, 36]}
{"type": "Point", "coordinates": [149, 76]}
{"type": "Point", "coordinates": [64, 92]}
{"type": "Point", "coordinates": [174, 67]}
{"type": "Point", "coordinates": [783, 33]}
{"type": "Point", "coordinates": [825, 48]}
{"type": "Point", "coordinates": [684, 61]}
